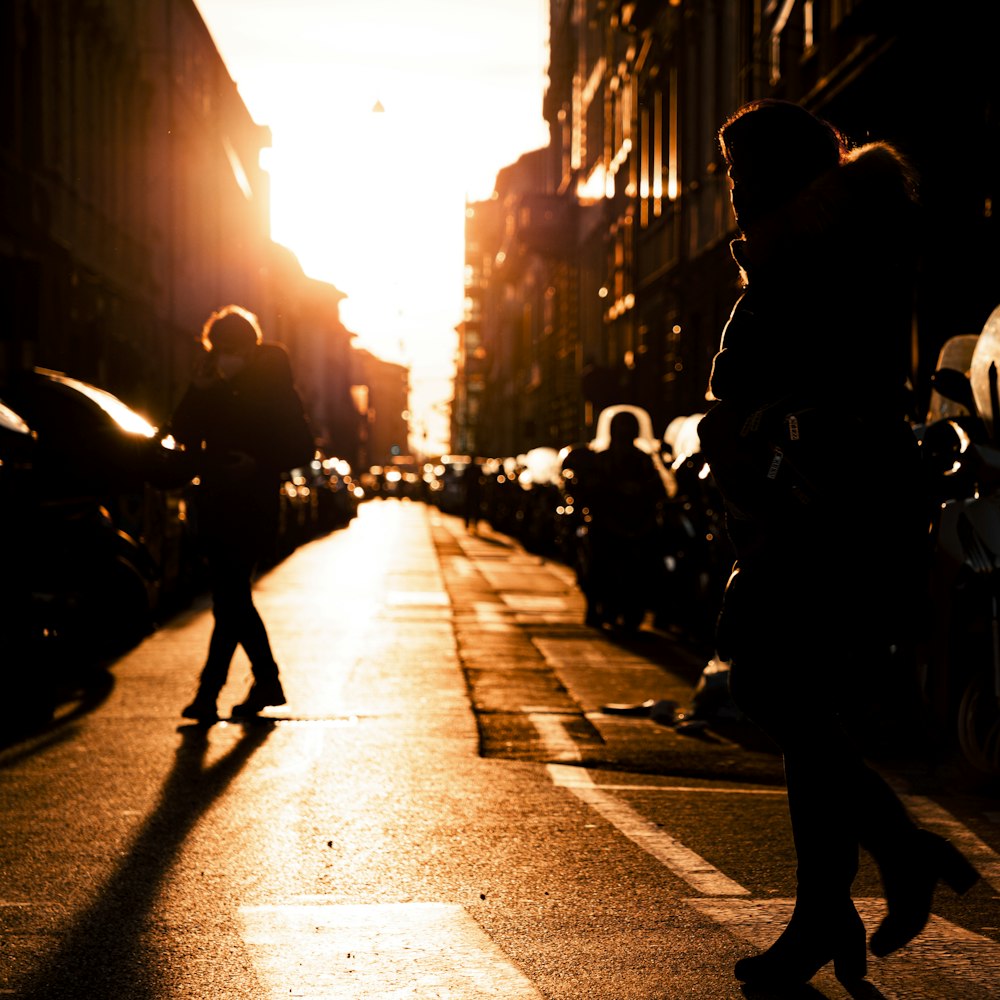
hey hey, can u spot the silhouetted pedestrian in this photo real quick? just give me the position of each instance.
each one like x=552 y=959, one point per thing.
x=243 y=421
x=472 y=496
x=811 y=448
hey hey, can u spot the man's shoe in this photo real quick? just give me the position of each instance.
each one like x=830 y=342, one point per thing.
x=262 y=695
x=202 y=710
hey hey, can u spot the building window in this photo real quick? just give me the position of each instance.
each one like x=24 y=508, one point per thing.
x=673 y=152
x=777 y=30
x=657 y=153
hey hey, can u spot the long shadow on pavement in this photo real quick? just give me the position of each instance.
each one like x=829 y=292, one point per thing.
x=861 y=990
x=102 y=955
x=44 y=707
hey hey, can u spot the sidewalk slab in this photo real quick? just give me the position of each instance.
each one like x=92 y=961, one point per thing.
x=540 y=679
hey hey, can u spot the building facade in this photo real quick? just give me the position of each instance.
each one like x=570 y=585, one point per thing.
x=133 y=204
x=518 y=356
x=306 y=320
x=382 y=392
x=642 y=281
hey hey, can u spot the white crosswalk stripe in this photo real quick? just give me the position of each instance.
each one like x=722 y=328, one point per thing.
x=682 y=861
x=963 y=963
x=329 y=951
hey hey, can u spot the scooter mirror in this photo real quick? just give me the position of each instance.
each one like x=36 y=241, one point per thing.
x=943 y=444
x=954 y=385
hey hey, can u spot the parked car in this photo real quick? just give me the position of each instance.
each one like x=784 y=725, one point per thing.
x=338 y=490
x=102 y=512
x=317 y=498
x=298 y=512
x=25 y=677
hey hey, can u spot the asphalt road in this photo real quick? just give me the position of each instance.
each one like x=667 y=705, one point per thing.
x=443 y=809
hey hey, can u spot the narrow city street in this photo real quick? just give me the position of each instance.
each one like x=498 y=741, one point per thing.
x=441 y=810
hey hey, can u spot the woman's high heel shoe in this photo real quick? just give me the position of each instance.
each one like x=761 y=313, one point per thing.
x=909 y=882
x=805 y=946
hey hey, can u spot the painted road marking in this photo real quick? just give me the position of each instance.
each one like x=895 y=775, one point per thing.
x=489 y=611
x=534 y=602
x=461 y=566
x=961 y=958
x=329 y=951
x=682 y=861
x=559 y=743
x=419 y=598
x=924 y=810
x=691 y=788
x=943 y=949
x=928 y=813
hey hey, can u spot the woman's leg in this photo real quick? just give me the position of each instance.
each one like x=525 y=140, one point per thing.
x=820 y=772
x=822 y=769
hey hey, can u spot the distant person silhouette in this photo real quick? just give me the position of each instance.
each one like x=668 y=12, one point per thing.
x=472 y=496
x=810 y=445
x=624 y=495
x=243 y=421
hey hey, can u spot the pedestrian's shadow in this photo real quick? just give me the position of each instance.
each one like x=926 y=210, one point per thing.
x=103 y=955
x=50 y=698
x=659 y=648
x=860 y=990
x=488 y=539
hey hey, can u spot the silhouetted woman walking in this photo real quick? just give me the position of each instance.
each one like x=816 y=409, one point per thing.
x=809 y=427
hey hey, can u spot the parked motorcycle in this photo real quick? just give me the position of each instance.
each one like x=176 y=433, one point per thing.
x=620 y=489
x=698 y=556
x=960 y=662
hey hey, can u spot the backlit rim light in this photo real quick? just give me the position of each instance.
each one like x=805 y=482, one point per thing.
x=126 y=418
x=10 y=420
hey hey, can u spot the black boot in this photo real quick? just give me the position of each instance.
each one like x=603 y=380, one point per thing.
x=262 y=695
x=909 y=878
x=814 y=936
x=202 y=709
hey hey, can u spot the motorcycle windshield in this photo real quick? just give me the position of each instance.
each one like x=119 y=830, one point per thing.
x=957 y=354
x=602 y=436
x=983 y=373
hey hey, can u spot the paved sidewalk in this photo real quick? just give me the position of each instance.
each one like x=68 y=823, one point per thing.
x=540 y=679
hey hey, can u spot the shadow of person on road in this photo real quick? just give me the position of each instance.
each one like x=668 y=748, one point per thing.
x=495 y=540
x=104 y=953
x=860 y=990
x=51 y=700
x=682 y=659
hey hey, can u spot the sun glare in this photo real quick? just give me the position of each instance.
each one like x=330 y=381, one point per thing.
x=371 y=200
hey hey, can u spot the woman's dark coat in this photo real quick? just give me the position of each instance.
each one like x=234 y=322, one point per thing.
x=809 y=439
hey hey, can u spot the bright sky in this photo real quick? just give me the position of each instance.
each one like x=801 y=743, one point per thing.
x=375 y=202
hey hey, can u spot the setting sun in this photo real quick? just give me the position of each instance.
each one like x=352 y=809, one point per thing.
x=385 y=119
